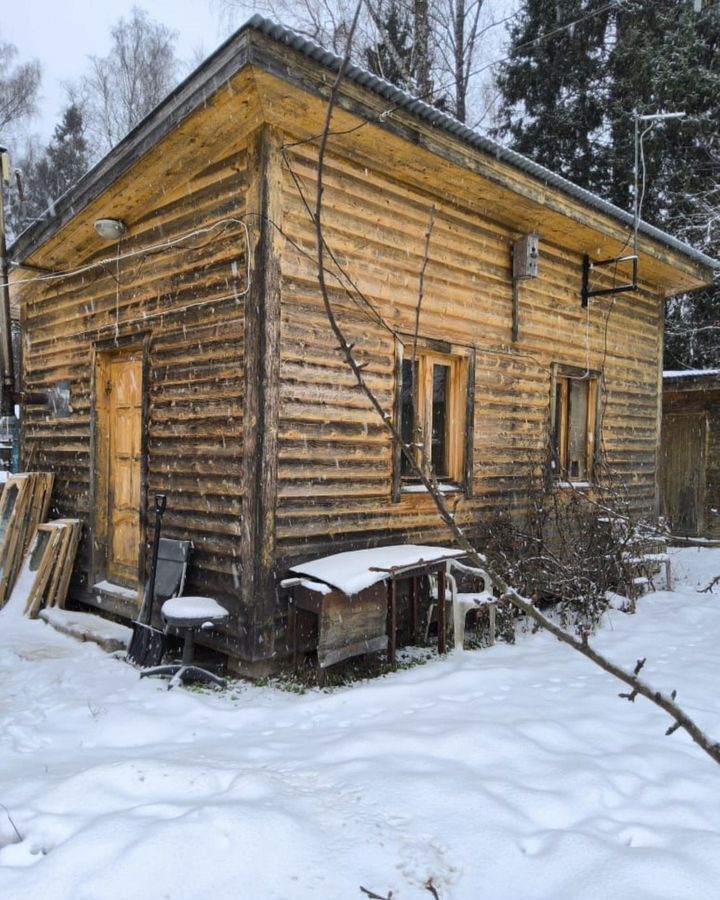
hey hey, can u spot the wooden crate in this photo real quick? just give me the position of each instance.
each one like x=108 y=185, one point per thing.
x=346 y=625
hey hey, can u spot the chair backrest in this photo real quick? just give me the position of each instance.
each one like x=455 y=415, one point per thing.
x=470 y=576
x=172 y=563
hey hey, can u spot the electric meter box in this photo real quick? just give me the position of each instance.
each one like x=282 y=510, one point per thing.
x=526 y=254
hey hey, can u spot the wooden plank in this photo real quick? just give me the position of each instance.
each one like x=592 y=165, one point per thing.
x=29 y=496
x=684 y=472
x=13 y=509
x=42 y=561
x=62 y=572
x=35 y=571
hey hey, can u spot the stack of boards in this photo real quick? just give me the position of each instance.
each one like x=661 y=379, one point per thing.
x=36 y=558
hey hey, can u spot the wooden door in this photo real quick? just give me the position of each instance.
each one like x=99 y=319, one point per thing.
x=683 y=472
x=123 y=440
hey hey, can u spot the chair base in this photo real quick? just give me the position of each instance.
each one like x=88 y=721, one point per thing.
x=186 y=615
x=181 y=673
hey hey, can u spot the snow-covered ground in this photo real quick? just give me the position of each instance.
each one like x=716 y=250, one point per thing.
x=513 y=772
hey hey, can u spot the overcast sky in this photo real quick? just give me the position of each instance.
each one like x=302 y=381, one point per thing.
x=63 y=33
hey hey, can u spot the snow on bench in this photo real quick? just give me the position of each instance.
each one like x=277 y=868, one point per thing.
x=356 y=570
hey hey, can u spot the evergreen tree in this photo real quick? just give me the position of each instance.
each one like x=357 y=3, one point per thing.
x=569 y=98
x=402 y=52
x=667 y=58
x=48 y=175
x=554 y=85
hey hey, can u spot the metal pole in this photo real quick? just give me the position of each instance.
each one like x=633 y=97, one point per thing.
x=636 y=199
x=8 y=431
x=7 y=401
x=637 y=119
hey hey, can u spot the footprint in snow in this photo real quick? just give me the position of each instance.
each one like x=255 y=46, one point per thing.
x=425 y=860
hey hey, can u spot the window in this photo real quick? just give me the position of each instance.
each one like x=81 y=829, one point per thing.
x=433 y=411
x=575 y=398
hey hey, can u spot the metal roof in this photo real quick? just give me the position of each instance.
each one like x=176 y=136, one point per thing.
x=402 y=100
x=206 y=79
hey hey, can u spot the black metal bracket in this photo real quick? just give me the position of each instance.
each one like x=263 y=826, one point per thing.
x=606 y=263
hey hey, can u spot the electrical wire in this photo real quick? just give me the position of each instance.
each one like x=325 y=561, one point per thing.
x=117 y=292
x=370 y=309
x=613 y=4
x=145 y=253
x=447 y=85
x=131 y=254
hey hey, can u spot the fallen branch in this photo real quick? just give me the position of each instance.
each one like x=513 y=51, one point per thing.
x=373 y=896
x=429 y=886
x=709 y=588
x=10 y=820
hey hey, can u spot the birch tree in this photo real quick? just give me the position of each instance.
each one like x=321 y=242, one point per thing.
x=123 y=87
x=431 y=49
x=19 y=85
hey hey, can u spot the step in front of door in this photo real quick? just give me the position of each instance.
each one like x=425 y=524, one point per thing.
x=116 y=598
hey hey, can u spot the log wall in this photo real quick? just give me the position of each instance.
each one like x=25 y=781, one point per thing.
x=311 y=470
x=335 y=459
x=254 y=427
x=184 y=301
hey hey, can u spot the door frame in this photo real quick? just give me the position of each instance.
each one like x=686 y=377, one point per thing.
x=102 y=352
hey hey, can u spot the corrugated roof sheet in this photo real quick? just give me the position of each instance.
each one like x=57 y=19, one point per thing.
x=402 y=100
x=223 y=58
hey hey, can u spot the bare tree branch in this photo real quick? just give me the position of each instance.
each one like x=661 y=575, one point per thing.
x=427 y=477
x=10 y=819
x=430 y=887
x=19 y=86
x=130 y=81
x=373 y=896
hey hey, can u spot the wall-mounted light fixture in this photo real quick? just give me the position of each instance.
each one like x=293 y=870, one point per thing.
x=110 y=229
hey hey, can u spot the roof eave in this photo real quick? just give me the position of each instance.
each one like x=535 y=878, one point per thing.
x=187 y=97
x=225 y=63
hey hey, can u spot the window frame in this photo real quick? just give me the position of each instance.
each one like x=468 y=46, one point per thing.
x=460 y=421
x=563 y=375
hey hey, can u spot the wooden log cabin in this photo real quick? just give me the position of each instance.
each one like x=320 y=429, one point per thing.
x=200 y=362
x=690 y=457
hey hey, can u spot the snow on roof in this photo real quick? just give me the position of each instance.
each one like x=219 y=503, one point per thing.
x=353 y=571
x=690 y=373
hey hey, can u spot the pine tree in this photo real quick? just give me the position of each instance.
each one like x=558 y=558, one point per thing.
x=66 y=157
x=668 y=60
x=390 y=56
